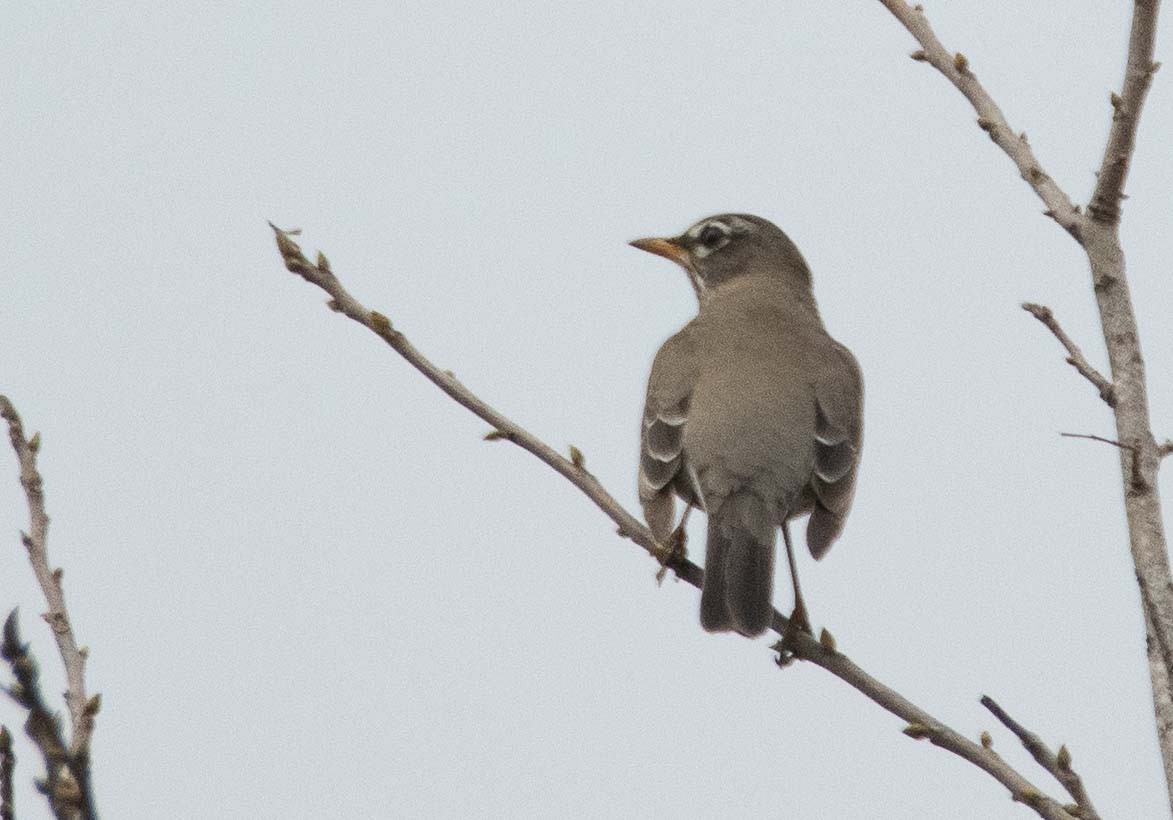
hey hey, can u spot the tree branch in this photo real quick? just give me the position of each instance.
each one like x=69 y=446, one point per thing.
x=81 y=710
x=1099 y=235
x=67 y=777
x=1075 y=356
x=956 y=69
x=920 y=724
x=1059 y=765
x=7 y=770
x=1126 y=108
x=1100 y=439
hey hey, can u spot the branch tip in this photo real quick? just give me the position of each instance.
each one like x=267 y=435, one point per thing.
x=1063 y=759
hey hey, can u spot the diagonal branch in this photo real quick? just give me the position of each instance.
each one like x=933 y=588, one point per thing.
x=1059 y=765
x=1126 y=108
x=1075 y=356
x=920 y=724
x=956 y=69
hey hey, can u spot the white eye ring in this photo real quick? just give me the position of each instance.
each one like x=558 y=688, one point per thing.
x=710 y=236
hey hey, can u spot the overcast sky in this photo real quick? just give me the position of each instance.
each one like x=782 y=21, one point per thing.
x=311 y=590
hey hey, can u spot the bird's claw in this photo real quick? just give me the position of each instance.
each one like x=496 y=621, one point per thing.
x=798 y=623
x=675 y=553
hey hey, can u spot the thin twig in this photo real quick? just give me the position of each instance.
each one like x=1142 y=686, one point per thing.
x=1126 y=108
x=957 y=69
x=1059 y=765
x=7 y=770
x=66 y=779
x=1090 y=437
x=1075 y=356
x=81 y=709
x=798 y=644
x=1165 y=449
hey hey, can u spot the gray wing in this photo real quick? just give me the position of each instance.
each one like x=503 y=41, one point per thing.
x=661 y=446
x=838 y=442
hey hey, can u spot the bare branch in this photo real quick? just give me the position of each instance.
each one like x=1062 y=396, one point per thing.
x=81 y=711
x=1075 y=356
x=1126 y=108
x=1127 y=393
x=67 y=776
x=798 y=644
x=1059 y=765
x=7 y=770
x=1166 y=448
x=1090 y=437
x=957 y=70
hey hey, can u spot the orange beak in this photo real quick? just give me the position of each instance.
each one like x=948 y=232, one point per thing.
x=667 y=248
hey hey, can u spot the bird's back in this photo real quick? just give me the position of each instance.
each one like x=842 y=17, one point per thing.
x=753 y=412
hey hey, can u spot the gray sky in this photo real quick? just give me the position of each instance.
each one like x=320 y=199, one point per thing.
x=311 y=590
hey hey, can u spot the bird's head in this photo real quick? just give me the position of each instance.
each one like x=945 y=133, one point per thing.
x=722 y=248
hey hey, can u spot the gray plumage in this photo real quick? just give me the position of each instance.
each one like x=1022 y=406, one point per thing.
x=753 y=414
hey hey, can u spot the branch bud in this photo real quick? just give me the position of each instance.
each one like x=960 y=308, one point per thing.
x=380 y=323
x=916 y=731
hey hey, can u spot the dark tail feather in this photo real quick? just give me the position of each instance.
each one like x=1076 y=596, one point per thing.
x=739 y=568
x=714 y=611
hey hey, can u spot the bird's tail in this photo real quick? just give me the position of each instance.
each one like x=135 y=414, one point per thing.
x=739 y=567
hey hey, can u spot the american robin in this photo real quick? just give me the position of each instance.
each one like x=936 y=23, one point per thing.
x=754 y=414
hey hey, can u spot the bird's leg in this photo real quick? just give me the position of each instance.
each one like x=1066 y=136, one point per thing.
x=799 y=620
x=676 y=545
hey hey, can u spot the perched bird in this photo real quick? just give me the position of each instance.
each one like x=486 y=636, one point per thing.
x=754 y=414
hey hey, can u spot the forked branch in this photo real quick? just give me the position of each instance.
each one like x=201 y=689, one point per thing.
x=1058 y=764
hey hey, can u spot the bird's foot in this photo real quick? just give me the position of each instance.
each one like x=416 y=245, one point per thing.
x=799 y=620
x=798 y=623
x=675 y=553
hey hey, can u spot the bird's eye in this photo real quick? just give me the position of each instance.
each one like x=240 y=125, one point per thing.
x=711 y=236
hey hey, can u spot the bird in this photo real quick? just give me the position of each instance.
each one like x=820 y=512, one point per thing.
x=754 y=415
